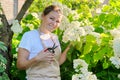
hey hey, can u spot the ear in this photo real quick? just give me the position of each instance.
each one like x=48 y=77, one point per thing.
x=42 y=16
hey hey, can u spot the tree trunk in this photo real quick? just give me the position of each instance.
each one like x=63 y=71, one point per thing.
x=6 y=34
x=6 y=37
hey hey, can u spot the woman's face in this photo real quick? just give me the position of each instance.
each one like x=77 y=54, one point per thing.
x=51 y=21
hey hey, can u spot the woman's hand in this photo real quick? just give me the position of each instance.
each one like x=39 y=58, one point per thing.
x=64 y=53
x=45 y=55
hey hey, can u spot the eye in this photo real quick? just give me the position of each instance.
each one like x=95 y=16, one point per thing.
x=51 y=18
x=58 y=21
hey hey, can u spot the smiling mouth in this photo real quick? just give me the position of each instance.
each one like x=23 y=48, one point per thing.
x=50 y=24
x=51 y=27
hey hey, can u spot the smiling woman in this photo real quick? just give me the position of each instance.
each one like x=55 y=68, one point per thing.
x=50 y=19
x=34 y=52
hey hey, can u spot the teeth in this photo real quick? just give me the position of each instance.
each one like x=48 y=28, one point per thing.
x=50 y=24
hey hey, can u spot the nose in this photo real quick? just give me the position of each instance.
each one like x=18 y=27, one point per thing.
x=54 y=23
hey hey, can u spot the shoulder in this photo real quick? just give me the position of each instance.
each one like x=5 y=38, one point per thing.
x=30 y=34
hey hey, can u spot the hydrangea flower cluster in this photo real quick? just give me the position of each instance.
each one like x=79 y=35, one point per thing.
x=81 y=67
x=16 y=28
x=116 y=45
x=119 y=76
x=0 y=21
x=74 y=30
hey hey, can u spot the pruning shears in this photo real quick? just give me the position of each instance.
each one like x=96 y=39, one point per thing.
x=51 y=49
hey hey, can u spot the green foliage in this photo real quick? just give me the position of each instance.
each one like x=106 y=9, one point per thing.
x=3 y=62
x=2 y=46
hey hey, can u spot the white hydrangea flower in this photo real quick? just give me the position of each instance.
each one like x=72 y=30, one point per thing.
x=116 y=46
x=65 y=38
x=87 y=76
x=97 y=36
x=116 y=61
x=64 y=23
x=98 y=10
x=16 y=28
x=75 y=77
x=29 y=25
x=84 y=70
x=119 y=76
x=40 y=15
x=35 y=15
x=0 y=21
x=77 y=62
x=74 y=24
x=75 y=15
x=90 y=76
x=59 y=5
x=81 y=31
x=73 y=33
x=101 y=1
x=88 y=29
x=84 y=73
x=69 y=35
x=66 y=10
x=115 y=33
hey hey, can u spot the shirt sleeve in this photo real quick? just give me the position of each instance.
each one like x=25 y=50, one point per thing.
x=25 y=42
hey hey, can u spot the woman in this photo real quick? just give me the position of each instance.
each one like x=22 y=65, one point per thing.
x=39 y=51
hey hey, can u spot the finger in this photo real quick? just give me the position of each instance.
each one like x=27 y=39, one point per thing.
x=45 y=49
x=50 y=57
x=49 y=62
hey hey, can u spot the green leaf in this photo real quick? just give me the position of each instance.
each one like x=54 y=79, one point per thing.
x=110 y=17
x=2 y=59
x=2 y=69
x=106 y=8
x=2 y=46
x=116 y=21
x=90 y=39
x=87 y=58
x=105 y=65
x=87 y=48
x=79 y=46
x=102 y=17
x=69 y=57
x=95 y=48
x=100 y=55
x=99 y=29
x=29 y=17
x=5 y=77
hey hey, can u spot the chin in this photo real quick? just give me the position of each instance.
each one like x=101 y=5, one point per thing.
x=50 y=30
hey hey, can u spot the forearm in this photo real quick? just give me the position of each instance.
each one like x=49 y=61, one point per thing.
x=25 y=64
x=63 y=56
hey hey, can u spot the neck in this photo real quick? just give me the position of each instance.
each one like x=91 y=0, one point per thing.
x=43 y=30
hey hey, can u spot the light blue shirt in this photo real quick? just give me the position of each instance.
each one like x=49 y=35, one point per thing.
x=31 y=41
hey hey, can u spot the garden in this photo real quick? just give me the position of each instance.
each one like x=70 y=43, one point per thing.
x=92 y=27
